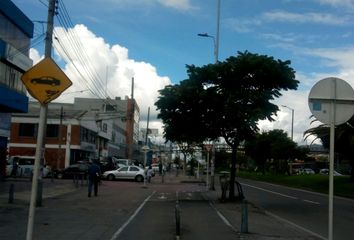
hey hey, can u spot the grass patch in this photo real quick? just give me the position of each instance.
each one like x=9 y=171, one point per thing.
x=318 y=183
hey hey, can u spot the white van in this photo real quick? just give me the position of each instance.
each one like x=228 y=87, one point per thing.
x=24 y=165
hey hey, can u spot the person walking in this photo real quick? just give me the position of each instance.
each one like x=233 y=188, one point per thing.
x=94 y=173
x=149 y=173
x=14 y=167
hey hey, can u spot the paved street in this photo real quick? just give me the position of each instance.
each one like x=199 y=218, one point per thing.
x=306 y=209
x=127 y=210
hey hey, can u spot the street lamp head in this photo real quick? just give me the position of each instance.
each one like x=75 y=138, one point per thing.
x=288 y=107
x=203 y=35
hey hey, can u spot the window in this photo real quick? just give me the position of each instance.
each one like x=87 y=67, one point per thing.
x=27 y=130
x=134 y=169
x=123 y=169
x=52 y=131
x=110 y=108
x=87 y=135
x=105 y=127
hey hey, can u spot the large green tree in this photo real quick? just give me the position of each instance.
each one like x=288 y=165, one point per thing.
x=228 y=99
x=274 y=145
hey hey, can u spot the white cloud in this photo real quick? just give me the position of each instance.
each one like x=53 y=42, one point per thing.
x=35 y=56
x=312 y=17
x=112 y=70
x=177 y=4
x=337 y=3
x=340 y=58
x=182 y=5
x=297 y=100
x=279 y=16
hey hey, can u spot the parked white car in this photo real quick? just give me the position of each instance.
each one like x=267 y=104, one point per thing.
x=325 y=171
x=24 y=165
x=128 y=172
x=306 y=171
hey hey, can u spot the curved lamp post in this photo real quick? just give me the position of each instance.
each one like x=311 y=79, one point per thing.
x=292 y=121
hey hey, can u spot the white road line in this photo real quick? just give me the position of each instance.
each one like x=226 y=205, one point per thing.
x=276 y=193
x=223 y=218
x=309 y=201
x=295 y=225
x=280 y=194
x=120 y=230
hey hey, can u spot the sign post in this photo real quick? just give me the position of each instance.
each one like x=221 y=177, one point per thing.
x=45 y=82
x=331 y=101
x=207 y=148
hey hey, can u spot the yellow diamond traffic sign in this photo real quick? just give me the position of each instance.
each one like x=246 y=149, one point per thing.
x=45 y=81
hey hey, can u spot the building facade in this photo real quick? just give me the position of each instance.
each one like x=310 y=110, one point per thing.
x=87 y=129
x=16 y=31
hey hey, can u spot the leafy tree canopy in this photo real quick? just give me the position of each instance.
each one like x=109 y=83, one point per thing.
x=273 y=144
x=226 y=99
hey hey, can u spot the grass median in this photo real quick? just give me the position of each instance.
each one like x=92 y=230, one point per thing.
x=318 y=183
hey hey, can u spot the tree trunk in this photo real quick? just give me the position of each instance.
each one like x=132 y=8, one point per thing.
x=233 y=173
x=352 y=170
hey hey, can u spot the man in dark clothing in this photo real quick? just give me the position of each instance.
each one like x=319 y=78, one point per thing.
x=94 y=173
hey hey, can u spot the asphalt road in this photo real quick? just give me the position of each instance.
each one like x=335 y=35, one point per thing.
x=306 y=209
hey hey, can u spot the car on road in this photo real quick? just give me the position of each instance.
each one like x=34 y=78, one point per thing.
x=128 y=172
x=77 y=169
x=325 y=171
x=24 y=167
x=306 y=171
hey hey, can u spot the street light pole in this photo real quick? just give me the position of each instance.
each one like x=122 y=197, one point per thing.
x=216 y=55
x=292 y=121
x=216 y=42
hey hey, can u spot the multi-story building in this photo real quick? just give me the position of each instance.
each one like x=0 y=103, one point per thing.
x=86 y=129
x=16 y=31
x=124 y=116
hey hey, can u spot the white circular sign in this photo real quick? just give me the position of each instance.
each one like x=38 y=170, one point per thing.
x=330 y=91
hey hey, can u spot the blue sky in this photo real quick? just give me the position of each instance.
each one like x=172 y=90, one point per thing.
x=153 y=40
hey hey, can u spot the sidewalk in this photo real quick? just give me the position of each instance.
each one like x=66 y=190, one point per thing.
x=22 y=189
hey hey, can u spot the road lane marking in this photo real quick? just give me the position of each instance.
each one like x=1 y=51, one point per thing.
x=223 y=218
x=162 y=196
x=309 y=201
x=295 y=225
x=280 y=194
x=120 y=230
x=265 y=190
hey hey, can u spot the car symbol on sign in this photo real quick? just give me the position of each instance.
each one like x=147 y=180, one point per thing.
x=46 y=80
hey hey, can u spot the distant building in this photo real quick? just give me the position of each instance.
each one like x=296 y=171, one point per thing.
x=16 y=32
x=88 y=128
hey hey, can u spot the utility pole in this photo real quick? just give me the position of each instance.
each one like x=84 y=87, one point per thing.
x=131 y=122
x=216 y=52
x=147 y=126
x=41 y=127
x=60 y=137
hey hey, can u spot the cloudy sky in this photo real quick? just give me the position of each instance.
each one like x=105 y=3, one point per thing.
x=103 y=44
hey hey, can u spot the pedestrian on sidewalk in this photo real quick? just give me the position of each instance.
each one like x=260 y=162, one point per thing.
x=150 y=172
x=14 y=167
x=94 y=175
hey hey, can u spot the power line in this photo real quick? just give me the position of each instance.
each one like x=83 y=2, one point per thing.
x=91 y=76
